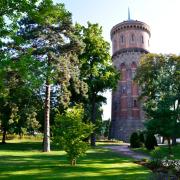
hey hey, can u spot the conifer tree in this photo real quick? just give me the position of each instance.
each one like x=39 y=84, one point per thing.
x=50 y=37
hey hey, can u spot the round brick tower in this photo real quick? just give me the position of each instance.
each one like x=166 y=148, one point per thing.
x=130 y=39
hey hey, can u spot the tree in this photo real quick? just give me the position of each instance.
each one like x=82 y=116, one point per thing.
x=158 y=76
x=104 y=128
x=96 y=69
x=135 y=140
x=15 y=87
x=150 y=141
x=50 y=36
x=17 y=92
x=69 y=131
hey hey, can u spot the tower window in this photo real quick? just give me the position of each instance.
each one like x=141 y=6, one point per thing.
x=123 y=90
x=135 y=103
x=132 y=37
x=142 y=39
x=122 y=39
x=133 y=74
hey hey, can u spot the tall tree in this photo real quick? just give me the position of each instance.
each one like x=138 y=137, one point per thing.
x=50 y=36
x=96 y=70
x=15 y=67
x=17 y=91
x=158 y=76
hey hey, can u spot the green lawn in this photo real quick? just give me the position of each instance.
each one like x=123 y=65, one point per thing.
x=25 y=161
x=162 y=151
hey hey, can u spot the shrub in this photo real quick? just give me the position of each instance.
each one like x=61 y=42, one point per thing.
x=156 y=159
x=134 y=140
x=150 y=141
x=69 y=132
x=141 y=137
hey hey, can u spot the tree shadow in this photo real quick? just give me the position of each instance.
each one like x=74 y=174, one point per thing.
x=26 y=161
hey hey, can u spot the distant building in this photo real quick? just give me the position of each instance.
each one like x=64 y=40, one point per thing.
x=130 y=39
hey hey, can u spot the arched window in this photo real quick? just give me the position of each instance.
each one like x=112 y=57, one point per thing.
x=122 y=40
x=142 y=39
x=123 y=90
x=135 y=103
x=133 y=65
x=132 y=38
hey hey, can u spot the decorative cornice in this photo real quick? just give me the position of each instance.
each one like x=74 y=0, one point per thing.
x=125 y=50
x=126 y=25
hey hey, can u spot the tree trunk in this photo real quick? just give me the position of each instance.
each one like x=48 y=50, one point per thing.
x=93 y=119
x=4 y=136
x=163 y=140
x=174 y=141
x=46 y=140
x=169 y=146
x=73 y=162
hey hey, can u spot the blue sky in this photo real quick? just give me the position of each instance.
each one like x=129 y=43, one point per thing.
x=163 y=16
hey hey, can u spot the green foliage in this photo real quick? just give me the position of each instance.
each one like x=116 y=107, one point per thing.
x=49 y=36
x=141 y=137
x=134 y=140
x=150 y=141
x=19 y=85
x=19 y=73
x=96 y=69
x=158 y=76
x=32 y=123
x=156 y=158
x=69 y=131
x=106 y=126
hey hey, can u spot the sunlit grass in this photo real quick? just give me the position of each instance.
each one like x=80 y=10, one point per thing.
x=22 y=160
x=162 y=150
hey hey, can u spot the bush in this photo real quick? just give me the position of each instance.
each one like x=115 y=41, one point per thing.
x=156 y=159
x=141 y=137
x=150 y=141
x=134 y=140
x=69 y=132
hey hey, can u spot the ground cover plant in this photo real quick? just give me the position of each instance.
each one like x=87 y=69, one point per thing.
x=162 y=150
x=25 y=160
x=163 y=164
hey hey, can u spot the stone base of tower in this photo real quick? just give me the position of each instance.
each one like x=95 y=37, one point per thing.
x=122 y=129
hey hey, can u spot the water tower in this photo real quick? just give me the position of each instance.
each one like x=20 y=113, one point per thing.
x=130 y=39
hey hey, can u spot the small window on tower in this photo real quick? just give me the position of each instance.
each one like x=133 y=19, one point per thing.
x=135 y=103
x=123 y=90
x=142 y=39
x=132 y=37
x=122 y=39
x=133 y=74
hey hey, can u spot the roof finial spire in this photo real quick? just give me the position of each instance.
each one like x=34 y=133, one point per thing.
x=129 y=15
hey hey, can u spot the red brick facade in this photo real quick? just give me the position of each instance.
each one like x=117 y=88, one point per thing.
x=130 y=39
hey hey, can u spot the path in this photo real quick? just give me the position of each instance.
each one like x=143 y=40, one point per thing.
x=125 y=150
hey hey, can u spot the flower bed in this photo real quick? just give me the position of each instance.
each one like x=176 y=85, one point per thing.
x=163 y=169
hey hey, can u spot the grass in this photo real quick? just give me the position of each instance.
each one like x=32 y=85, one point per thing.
x=23 y=160
x=162 y=151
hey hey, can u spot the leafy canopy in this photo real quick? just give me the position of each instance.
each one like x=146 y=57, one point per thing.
x=69 y=131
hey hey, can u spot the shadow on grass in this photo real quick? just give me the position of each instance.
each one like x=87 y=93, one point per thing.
x=26 y=161
x=25 y=146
